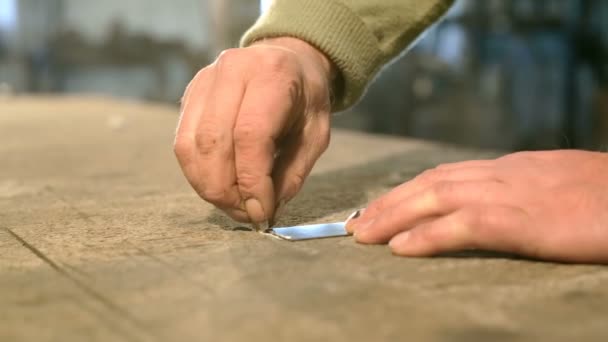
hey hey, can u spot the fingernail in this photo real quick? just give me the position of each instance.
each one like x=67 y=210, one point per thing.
x=355 y=215
x=351 y=218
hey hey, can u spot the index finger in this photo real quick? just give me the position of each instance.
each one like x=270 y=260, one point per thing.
x=263 y=118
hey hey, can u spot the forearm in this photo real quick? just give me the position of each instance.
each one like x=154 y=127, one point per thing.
x=358 y=36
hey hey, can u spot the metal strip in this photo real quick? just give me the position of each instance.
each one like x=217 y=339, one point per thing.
x=309 y=232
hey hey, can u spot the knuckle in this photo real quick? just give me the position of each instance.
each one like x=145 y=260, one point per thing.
x=247 y=180
x=207 y=140
x=213 y=195
x=428 y=235
x=232 y=61
x=324 y=138
x=246 y=132
x=227 y=57
x=325 y=141
x=285 y=85
x=277 y=61
x=202 y=73
x=292 y=90
x=294 y=184
x=443 y=191
x=182 y=147
x=297 y=181
x=479 y=223
x=432 y=235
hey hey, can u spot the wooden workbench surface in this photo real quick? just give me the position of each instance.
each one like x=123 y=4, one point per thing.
x=101 y=239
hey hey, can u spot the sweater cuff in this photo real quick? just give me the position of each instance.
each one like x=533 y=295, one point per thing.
x=336 y=31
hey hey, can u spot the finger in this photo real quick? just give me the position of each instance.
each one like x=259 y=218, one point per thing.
x=496 y=228
x=422 y=181
x=263 y=117
x=214 y=137
x=467 y=164
x=238 y=215
x=440 y=199
x=298 y=157
x=185 y=144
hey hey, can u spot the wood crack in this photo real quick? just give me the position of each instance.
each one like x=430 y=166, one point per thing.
x=84 y=216
x=172 y=269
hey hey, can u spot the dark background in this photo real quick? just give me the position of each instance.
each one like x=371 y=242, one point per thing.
x=509 y=74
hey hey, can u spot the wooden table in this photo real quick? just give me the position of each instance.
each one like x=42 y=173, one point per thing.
x=101 y=239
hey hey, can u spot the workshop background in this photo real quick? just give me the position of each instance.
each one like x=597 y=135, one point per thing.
x=507 y=74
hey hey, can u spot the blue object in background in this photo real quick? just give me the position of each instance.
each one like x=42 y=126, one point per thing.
x=8 y=15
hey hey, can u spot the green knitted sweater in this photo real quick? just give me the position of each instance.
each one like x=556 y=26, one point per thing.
x=359 y=36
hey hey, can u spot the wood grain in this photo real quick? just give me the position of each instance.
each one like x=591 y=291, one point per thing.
x=102 y=239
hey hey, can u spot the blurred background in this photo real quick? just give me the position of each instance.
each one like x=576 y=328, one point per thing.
x=508 y=74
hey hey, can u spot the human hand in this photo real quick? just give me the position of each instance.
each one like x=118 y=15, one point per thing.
x=545 y=205
x=252 y=126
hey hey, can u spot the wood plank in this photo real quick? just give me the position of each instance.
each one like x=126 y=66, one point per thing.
x=101 y=238
x=41 y=301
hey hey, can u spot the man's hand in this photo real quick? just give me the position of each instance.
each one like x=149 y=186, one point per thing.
x=253 y=124
x=546 y=205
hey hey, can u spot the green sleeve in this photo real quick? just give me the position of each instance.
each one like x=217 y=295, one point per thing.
x=359 y=36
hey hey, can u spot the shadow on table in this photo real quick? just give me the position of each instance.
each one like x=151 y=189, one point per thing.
x=348 y=189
